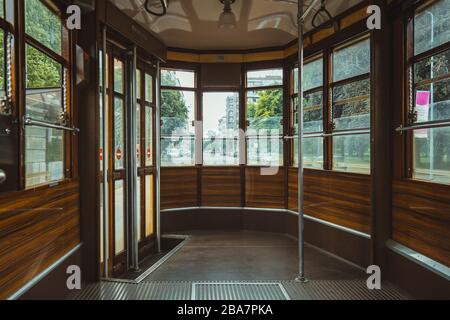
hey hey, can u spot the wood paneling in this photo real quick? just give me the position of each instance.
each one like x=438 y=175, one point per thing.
x=221 y=187
x=36 y=229
x=264 y=191
x=340 y=198
x=179 y=188
x=421 y=218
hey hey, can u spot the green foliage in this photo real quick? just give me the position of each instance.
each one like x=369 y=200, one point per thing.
x=174 y=110
x=42 y=72
x=267 y=111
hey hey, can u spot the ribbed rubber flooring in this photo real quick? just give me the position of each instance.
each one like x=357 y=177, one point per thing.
x=268 y=290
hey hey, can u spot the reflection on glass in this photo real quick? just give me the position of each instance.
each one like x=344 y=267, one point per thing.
x=265 y=78
x=312 y=75
x=265 y=151
x=351 y=105
x=352 y=153
x=178 y=151
x=44 y=156
x=43 y=25
x=119 y=147
x=432 y=27
x=118 y=76
x=432 y=155
x=44 y=104
x=432 y=67
x=148 y=137
x=148 y=88
x=149 y=224
x=221 y=128
x=138 y=84
x=312 y=153
x=351 y=61
x=119 y=214
x=177 y=78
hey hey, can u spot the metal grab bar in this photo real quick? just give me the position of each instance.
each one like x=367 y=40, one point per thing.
x=402 y=129
x=334 y=134
x=30 y=122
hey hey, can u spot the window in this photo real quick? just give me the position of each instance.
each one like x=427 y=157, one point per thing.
x=264 y=117
x=178 y=118
x=313 y=113
x=351 y=107
x=221 y=128
x=47 y=77
x=429 y=99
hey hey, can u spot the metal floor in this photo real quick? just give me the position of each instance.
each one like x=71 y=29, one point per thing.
x=267 y=290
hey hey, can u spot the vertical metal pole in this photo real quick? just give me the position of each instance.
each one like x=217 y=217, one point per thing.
x=133 y=163
x=105 y=161
x=158 y=156
x=301 y=240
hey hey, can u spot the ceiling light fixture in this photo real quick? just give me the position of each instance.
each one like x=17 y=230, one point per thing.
x=156 y=7
x=227 y=19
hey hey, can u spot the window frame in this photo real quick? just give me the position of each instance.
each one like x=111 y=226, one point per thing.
x=197 y=112
x=409 y=114
x=65 y=60
x=244 y=108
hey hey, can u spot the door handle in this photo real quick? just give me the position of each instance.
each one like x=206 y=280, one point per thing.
x=2 y=176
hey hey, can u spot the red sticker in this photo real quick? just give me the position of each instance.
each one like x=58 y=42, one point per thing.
x=101 y=154
x=149 y=153
x=119 y=154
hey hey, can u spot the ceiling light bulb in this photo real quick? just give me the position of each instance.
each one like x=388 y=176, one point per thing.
x=227 y=19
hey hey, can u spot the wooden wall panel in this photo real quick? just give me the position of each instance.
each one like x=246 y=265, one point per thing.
x=264 y=191
x=221 y=187
x=340 y=198
x=179 y=188
x=421 y=218
x=36 y=229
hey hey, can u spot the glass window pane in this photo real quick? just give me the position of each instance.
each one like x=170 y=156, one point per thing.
x=265 y=111
x=432 y=155
x=138 y=206
x=177 y=112
x=351 y=61
x=312 y=153
x=138 y=84
x=432 y=27
x=118 y=76
x=352 y=153
x=44 y=156
x=148 y=136
x=177 y=78
x=119 y=127
x=351 y=105
x=265 y=151
x=220 y=128
x=43 y=25
x=148 y=88
x=265 y=78
x=312 y=75
x=313 y=112
x=149 y=223
x=178 y=151
x=138 y=135
x=119 y=214
x=431 y=68
x=2 y=8
x=41 y=70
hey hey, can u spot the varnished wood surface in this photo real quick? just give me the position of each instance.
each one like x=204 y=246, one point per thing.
x=421 y=218
x=264 y=191
x=179 y=188
x=221 y=187
x=36 y=229
x=340 y=198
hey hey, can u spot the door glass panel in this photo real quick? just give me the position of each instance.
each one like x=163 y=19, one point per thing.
x=118 y=76
x=148 y=88
x=119 y=214
x=138 y=84
x=138 y=135
x=119 y=145
x=138 y=206
x=148 y=137
x=149 y=223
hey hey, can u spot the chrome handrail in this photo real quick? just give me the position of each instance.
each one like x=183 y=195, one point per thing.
x=31 y=122
x=402 y=129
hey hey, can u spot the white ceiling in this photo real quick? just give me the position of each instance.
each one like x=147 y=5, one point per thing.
x=192 y=24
